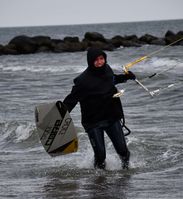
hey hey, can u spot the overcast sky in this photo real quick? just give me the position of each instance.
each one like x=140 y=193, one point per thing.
x=61 y=12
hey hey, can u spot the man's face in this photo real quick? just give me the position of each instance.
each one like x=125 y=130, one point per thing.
x=99 y=62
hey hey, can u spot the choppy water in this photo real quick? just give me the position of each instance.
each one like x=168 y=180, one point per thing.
x=156 y=169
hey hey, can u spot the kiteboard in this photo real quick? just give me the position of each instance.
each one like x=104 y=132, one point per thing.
x=56 y=129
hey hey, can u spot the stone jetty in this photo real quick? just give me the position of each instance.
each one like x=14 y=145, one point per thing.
x=24 y=44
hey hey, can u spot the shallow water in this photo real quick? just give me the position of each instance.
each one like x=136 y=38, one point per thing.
x=156 y=166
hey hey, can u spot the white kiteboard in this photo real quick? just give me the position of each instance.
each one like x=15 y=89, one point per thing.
x=56 y=129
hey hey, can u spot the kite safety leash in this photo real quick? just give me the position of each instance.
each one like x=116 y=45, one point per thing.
x=124 y=125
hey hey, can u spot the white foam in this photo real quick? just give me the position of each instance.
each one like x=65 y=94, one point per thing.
x=1 y=66
x=154 y=63
x=158 y=62
x=43 y=68
x=23 y=132
x=113 y=162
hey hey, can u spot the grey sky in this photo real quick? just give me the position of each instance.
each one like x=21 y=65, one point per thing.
x=61 y=12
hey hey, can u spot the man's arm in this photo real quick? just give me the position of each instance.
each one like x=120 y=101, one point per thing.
x=122 y=78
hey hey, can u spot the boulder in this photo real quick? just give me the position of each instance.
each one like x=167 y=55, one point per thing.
x=101 y=45
x=1 y=49
x=58 y=47
x=169 y=33
x=133 y=38
x=42 y=49
x=69 y=44
x=147 y=38
x=42 y=41
x=71 y=39
x=24 y=44
x=70 y=47
x=171 y=37
x=57 y=41
x=73 y=47
x=94 y=36
x=10 y=49
x=116 y=41
x=180 y=33
x=159 y=41
x=129 y=43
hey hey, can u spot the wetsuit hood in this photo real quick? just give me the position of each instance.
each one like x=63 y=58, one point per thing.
x=92 y=54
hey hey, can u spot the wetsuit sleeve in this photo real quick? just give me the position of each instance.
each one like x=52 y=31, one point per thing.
x=119 y=79
x=72 y=99
x=122 y=78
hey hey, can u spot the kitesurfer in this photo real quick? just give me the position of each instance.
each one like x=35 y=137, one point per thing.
x=100 y=111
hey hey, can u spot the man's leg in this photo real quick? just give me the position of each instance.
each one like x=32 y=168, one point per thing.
x=115 y=133
x=96 y=136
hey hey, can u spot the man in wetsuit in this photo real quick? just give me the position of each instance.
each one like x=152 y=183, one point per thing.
x=100 y=111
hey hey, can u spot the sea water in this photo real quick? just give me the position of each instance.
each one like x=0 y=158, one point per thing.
x=156 y=164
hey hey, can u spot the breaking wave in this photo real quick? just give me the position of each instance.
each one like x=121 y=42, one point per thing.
x=67 y=69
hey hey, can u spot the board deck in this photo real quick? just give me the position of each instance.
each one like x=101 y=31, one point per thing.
x=55 y=128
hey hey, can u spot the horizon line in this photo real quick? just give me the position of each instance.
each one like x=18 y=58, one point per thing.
x=84 y=24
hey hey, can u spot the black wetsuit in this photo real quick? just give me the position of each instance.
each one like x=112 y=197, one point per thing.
x=94 y=90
